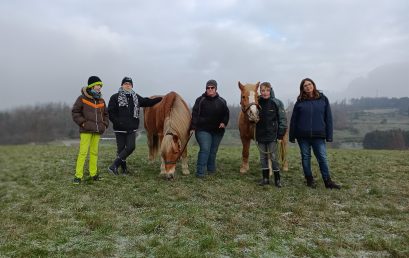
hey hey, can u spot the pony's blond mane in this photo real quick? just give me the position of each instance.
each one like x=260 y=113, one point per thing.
x=177 y=123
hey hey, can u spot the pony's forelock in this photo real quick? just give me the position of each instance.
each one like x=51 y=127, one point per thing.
x=177 y=123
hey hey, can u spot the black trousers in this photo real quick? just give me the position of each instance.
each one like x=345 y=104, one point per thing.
x=125 y=143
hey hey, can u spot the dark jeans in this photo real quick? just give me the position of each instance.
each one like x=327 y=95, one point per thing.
x=319 y=148
x=209 y=144
x=125 y=143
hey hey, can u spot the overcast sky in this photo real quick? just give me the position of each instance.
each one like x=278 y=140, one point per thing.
x=50 y=48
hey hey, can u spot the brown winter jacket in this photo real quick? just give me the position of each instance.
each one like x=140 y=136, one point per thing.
x=90 y=114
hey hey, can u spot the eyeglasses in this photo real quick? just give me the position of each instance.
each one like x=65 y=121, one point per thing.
x=210 y=88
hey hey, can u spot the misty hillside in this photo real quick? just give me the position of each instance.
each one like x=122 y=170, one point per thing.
x=384 y=81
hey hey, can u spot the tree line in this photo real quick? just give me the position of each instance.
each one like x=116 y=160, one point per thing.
x=401 y=104
x=395 y=139
x=52 y=121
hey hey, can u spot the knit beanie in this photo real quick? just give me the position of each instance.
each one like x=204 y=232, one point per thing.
x=211 y=82
x=127 y=79
x=94 y=80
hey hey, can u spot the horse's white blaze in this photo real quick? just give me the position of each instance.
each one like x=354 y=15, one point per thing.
x=252 y=99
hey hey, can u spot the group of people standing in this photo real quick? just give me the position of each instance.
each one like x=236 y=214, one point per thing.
x=311 y=125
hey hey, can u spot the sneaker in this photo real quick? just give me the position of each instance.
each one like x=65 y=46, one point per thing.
x=76 y=181
x=113 y=170
x=97 y=178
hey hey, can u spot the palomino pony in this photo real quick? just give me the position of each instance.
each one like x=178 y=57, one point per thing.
x=247 y=125
x=167 y=127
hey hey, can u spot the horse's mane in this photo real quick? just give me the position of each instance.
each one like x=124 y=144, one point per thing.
x=176 y=121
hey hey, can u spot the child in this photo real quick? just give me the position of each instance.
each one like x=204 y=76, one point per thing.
x=270 y=128
x=90 y=114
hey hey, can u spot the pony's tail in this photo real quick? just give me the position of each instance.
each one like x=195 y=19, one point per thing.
x=282 y=154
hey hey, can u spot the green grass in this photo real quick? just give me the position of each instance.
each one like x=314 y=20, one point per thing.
x=226 y=215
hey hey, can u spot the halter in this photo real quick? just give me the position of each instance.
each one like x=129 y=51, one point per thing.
x=167 y=162
x=246 y=108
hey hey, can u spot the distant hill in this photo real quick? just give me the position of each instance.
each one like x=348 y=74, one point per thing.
x=390 y=80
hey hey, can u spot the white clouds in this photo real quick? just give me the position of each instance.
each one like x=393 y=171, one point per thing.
x=178 y=45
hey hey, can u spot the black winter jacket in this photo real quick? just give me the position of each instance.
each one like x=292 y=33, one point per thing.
x=267 y=126
x=208 y=112
x=122 y=118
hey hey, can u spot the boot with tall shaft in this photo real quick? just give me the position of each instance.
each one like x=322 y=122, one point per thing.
x=277 y=179
x=266 y=177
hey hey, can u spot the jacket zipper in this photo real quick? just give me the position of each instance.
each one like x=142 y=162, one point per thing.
x=96 y=115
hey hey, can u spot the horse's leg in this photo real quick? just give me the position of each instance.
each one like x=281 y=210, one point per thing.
x=185 y=167
x=149 y=136
x=245 y=155
x=162 y=166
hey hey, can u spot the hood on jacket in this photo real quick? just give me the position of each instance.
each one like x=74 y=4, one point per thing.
x=85 y=93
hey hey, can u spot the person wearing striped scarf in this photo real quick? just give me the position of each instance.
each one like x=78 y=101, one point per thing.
x=123 y=108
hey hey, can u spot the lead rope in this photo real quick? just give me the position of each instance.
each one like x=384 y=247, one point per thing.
x=268 y=152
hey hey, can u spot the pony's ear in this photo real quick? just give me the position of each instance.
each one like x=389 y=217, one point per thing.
x=257 y=85
x=241 y=86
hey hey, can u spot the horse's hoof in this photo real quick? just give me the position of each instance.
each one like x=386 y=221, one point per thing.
x=187 y=172
x=243 y=171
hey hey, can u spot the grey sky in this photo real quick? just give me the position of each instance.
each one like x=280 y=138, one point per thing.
x=50 y=48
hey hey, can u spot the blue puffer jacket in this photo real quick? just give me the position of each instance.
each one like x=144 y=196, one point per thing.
x=311 y=119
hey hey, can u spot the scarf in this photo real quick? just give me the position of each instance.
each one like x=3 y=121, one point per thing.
x=123 y=100
x=95 y=94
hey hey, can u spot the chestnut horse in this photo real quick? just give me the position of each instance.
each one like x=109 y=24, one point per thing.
x=248 y=117
x=167 y=127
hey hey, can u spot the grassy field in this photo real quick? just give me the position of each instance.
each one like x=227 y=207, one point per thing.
x=226 y=215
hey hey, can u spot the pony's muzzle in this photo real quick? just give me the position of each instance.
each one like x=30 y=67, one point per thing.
x=253 y=116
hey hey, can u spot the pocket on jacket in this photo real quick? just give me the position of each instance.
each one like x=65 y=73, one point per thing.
x=101 y=128
x=89 y=126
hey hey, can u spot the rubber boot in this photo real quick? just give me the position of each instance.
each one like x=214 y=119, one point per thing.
x=266 y=177
x=277 y=178
x=114 y=167
x=329 y=184
x=311 y=182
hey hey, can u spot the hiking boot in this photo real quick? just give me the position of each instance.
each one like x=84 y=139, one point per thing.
x=277 y=179
x=311 y=182
x=76 y=181
x=266 y=177
x=329 y=184
x=97 y=178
